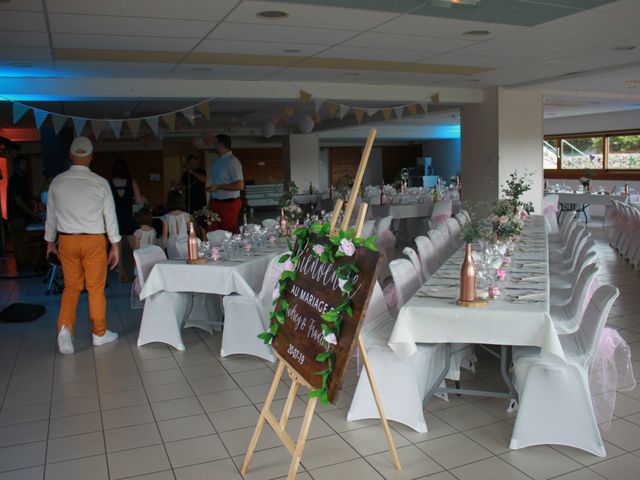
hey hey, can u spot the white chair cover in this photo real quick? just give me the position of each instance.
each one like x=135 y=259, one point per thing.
x=413 y=258
x=427 y=254
x=368 y=229
x=405 y=279
x=164 y=312
x=441 y=211
x=555 y=403
x=566 y=318
x=550 y=211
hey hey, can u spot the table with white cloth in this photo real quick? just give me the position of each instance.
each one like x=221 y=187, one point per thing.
x=580 y=202
x=432 y=316
x=408 y=220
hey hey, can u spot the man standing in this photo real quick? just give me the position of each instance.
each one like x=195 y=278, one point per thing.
x=226 y=182
x=193 y=182
x=19 y=212
x=80 y=210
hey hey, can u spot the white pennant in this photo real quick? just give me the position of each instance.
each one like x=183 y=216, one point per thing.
x=40 y=116
x=153 y=124
x=371 y=111
x=116 y=126
x=425 y=107
x=18 y=111
x=58 y=122
x=317 y=103
x=343 y=109
x=78 y=125
x=188 y=114
x=398 y=111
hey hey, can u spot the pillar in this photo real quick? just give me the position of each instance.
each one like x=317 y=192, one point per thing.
x=302 y=160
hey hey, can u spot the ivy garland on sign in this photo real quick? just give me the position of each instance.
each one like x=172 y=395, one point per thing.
x=344 y=244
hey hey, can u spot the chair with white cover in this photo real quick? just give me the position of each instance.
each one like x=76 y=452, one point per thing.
x=440 y=244
x=550 y=210
x=368 y=229
x=461 y=219
x=246 y=317
x=466 y=215
x=441 y=211
x=455 y=234
x=402 y=384
x=566 y=318
x=217 y=236
x=555 y=405
x=270 y=223
x=428 y=255
x=567 y=280
x=386 y=243
x=164 y=312
x=562 y=296
x=559 y=267
x=405 y=279
x=568 y=223
x=415 y=261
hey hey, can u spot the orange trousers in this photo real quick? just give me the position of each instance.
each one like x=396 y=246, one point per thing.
x=84 y=264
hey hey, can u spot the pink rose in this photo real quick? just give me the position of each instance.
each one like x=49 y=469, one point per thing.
x=506 y=261
x=341 y=283
x=331 y=339
x=347 y=247
x=501 y=273
x=524 y=214
x=289 y=266
x=494 y=292
x=318 y=249
x=276 y=294
x=504 y=219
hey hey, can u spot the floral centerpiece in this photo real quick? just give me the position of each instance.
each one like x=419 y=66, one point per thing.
x=292 y=212
x=585 y=180
x=506 y=221
x=205 y=217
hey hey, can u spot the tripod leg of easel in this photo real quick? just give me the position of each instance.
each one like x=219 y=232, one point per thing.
x=376 y=397
x=302 y=438
x=288 y=404
x=265 y=409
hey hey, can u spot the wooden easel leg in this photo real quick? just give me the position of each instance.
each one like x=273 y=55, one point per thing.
x=376 y=397
x=288 y=404
x=302 y=438
x=265 y=408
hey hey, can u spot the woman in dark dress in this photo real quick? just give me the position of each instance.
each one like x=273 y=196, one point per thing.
x=126 y=192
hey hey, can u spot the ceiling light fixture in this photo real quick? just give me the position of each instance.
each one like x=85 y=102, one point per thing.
x=200 y=69
x=456 y=3
x=272 y=15
x=21 y=64
x=476 y=33
x=623 y=48
x=291 y=50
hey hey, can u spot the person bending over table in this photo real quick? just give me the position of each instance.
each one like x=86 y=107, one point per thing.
x=80 y=210
x=225 y=183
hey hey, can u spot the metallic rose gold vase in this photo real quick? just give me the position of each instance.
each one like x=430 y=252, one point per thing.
x=192 y=243
x=468 y=277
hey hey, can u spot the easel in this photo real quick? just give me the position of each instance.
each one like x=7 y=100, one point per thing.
x=296 y=449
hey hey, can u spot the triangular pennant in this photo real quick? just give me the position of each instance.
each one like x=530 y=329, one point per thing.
x=343 y=111
x=153 y=124
x=78 y=125
x=317 y=104
x=316 y=120
x=359 y=113
x=170 y=120
x=386 y=114
x=372 y=111
x=18 y=111
x=305 y=97
x=40 y=116
x=287 y=111
x=116 y=127
x=413 y=109
x=203 y=108
x=435 y=99
x=97 y=126
x=188 y=114
x=134 y=126
x=332 y=110
x=425 y=107
x=398 y=111
x=58 y=122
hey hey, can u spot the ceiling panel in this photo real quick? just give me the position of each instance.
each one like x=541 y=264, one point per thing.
x=221 y=72
x=258 y=48
x=25 y=53
x=625 y=7
x=23 y=39
x=112 y=69
x=182 y=9
x=317 y=75
x=406 y=42
x=402 y=78
x=523 y=53
x=309 y=16
x=279 y=33
x=39 y=68
x=373 y=54
x=121 y=42
x=606 y=25
x=95 y=24
x=543 y=37
x=454 y=58
x=24 y=5
x=22 y=21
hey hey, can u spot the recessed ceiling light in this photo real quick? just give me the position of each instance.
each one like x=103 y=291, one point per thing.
x=472 y=80
x=200 y=69
x=21 y=64
x=291 y=50
x=623 y=48
x=476 y=33
x=272 y=15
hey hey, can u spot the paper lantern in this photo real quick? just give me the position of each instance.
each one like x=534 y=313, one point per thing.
x=268 y=129
x=305 y=124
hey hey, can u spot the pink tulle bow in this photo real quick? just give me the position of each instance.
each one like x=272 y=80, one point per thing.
x=135 y=294
x=441 y=217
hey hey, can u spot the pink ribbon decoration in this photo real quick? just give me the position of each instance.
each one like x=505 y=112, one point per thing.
x=550 y=209
x=610 y=372
x=440 y=218
x=391 y=297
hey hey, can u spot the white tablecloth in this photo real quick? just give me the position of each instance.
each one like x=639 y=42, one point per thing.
x=425 y=319
x=244 y=275
x=399 y=212
x=590 y=198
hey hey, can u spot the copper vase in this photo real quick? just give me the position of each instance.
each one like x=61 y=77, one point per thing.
x=468 y=277
x=192 y=243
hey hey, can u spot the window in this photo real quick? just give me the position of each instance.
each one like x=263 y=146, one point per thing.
x=551 y=153
x=581 y=153
x=624 y=152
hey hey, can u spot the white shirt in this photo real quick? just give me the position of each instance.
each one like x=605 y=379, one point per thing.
x=80 y=201
x=227 y=169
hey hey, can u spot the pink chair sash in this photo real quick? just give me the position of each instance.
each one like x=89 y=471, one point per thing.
x=441 y=217
x=550 y=210
x=391 y=297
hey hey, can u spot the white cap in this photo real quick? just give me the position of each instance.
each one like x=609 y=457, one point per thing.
x=81 y=147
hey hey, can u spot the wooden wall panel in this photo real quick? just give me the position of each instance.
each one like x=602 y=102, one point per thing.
x=343 y=162
x=261 y=165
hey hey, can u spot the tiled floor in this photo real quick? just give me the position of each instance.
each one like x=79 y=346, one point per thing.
x=153 y=413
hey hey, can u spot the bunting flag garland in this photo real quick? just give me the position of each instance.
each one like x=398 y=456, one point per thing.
x=343 y=111
x=305 y=97
x=317 y=104
x=203 y=108
x=18 y=111
x=78 y=125
x=435 y=99
x=40 y=116
x=188 y=114
x=413 y=109
x=372 y=111
x=170 y=120
x=116 y=127
x=58 y=122
x=398 y=111
x=97 y=126
x=425 y=107
x=134 y=126
x=153 y=124
x=386 y=114
x=359 y=113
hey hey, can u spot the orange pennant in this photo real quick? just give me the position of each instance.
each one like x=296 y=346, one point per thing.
x=134 y=126
x=435 y=99
x=386 y=114
x=170 y=120
x=359 y=113
x=333 y=108
x=413 y=109
x=305 y=97
x=203 y=108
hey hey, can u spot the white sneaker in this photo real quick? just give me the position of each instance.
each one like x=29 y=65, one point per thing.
x=65 y=341
x=108 y=337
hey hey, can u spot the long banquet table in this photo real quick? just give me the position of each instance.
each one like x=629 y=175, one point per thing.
x=432 y=316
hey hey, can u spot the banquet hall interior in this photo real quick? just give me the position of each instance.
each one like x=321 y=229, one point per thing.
x=482 y=161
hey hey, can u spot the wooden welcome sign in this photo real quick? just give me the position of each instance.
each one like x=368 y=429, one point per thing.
x=300 y=339
x=315 y=291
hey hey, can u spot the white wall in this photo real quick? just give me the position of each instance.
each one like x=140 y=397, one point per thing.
x=304 y=159
x=598 y=122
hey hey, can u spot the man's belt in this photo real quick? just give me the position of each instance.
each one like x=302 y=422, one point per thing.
x=225 y=200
